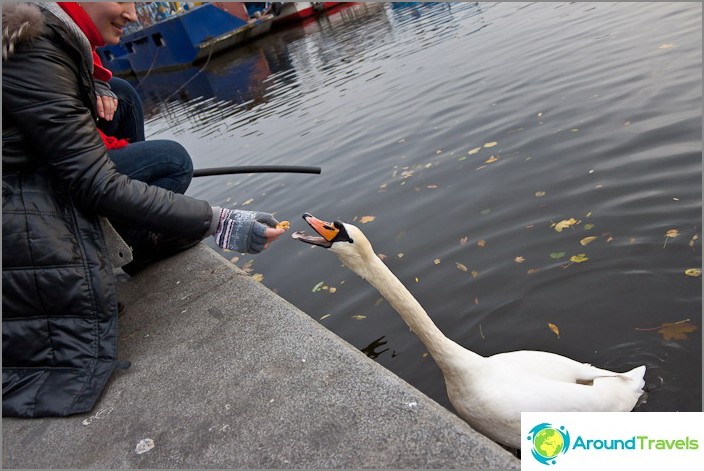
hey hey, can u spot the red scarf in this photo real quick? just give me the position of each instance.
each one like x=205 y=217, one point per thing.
x=83 y=21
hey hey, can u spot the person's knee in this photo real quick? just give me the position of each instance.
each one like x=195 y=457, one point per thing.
x=178 y=155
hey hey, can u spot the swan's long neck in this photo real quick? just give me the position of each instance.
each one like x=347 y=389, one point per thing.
x=440 y=347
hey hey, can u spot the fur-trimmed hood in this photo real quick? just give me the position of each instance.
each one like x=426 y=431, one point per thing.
x=24 y=22
x=21 y=23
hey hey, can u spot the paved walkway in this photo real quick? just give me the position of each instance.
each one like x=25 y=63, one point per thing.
x=226 y=374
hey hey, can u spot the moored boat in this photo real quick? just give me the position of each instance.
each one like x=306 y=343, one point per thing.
x=183 y=39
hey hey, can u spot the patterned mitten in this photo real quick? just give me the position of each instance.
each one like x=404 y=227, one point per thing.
x=243 y=231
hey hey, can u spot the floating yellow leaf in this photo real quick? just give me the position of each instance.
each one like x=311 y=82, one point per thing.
x=554 y=329
x=248 y=202
x=667 y=46
x=579 y=258
x=436 y=261
x=474 y=273
x=332 y=289
x=461 y=266
x=693 y=272
x=366 y=219
x=672 y=233
x=519 y=259
x=481 y=243
x=359 y=317
x=490 y=144
x=258 y=276
x=474 y=151
x=565 y=223
x=491 y=159
x=676 y=330
x=539 y=194
x=400 y=255
x=325 y=316
x=588 y=240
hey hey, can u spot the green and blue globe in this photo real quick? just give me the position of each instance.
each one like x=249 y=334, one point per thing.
x=548 y=442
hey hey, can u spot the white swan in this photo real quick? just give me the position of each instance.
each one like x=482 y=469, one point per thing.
x=488 y=392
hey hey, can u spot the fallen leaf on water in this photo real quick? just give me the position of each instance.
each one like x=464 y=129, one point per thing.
x=519 y=259
x=318 y=287
x=366 y=219
x=693 y=272
x=461 y=266
x=325 y=316
x=671 y=234
x=565 y=223
x=248 y=202
x=436 y=261
x=579 y=258
x=474 y=151
x=539 y=194
x=491 y=159
x=674 y=330
x=400 y=255
x=557 y=255
x=693 y=240
x=481 y=243
x=588 y=240
x=555 y=329
x=588 y=227
x=359 y=317
x=490 y=144
x=474 y=273
x=332 y=289
x=667 y=46
x=464 y=240
x=258 y=276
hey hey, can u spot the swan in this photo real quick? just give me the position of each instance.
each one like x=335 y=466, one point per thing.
x=487 y=392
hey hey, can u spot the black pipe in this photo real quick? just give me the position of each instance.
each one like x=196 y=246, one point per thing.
x=206 y=172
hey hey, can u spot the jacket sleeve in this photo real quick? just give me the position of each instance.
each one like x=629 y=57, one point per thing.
x=44 y=92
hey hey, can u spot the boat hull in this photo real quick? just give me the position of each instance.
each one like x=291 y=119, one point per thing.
x=181 y=40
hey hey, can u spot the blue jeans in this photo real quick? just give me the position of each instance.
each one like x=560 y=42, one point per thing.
x=128 y=121
x=159 y=162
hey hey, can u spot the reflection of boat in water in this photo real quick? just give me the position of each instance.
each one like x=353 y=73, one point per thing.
x=184 y=38
x=293 y=12
x=189 y=36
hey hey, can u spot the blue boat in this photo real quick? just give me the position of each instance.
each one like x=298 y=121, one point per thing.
x=180 y=40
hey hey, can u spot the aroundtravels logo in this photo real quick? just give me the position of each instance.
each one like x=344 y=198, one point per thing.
x=548 y=442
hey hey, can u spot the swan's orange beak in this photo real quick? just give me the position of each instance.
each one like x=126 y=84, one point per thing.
x=326 y=230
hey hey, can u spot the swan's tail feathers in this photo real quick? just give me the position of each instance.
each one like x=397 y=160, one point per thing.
x=635 y=377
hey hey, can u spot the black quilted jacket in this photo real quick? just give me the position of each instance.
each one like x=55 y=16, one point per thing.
x=59 y=307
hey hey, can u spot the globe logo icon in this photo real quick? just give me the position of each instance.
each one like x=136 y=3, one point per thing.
x=548 y=442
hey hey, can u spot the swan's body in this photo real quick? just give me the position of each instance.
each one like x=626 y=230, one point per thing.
x=488 y=392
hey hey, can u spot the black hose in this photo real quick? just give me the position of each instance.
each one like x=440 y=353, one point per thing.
x=206 y=172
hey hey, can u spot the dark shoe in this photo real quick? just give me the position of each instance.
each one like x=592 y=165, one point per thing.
x=154 y=247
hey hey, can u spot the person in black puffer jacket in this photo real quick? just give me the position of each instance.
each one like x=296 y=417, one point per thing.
x=59 y=317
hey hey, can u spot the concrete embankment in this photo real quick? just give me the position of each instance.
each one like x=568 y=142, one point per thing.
x=226 y=374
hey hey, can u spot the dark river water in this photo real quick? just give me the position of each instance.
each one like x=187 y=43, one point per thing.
x=532 y=172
